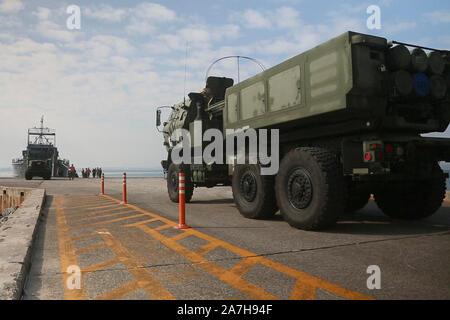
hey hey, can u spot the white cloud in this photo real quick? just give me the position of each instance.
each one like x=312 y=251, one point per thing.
x=229 y=31
x=51 y=30
x=438 y=16
x=11 y=6
x=42 y=13
x=281 y=18
x=287 y=18
x=8 y=22
x=154 y=12
x=398 y=27
x=254 y=19
x=146 y=16
x=139 y=26
x=75 y=89
x=106 y=12
x=197 y=37
x=100 y=48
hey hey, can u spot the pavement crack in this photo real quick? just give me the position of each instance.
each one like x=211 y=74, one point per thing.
x=356 y=243
x=268 y=254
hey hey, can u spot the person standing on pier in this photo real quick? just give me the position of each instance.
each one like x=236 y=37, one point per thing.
x=72 y=172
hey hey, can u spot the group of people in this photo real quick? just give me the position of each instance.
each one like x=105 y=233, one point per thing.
x=96 y=173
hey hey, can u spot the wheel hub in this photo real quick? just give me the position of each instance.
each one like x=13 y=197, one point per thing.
x=300 y=189
x=248 y=186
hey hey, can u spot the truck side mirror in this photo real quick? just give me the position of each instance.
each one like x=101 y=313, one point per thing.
x=158 y=117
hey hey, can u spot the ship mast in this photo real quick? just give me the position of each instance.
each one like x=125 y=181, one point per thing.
x=42 y=134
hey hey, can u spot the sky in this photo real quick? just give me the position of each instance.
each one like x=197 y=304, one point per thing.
x=99 y=85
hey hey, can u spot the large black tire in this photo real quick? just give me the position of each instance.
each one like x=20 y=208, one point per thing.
x=356 y=198
x=413 y=200
x=172 y=183
x=310 y=188
x=28 y=175
x=253 y=193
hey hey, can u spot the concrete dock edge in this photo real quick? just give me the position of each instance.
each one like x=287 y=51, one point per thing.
x=16 y=239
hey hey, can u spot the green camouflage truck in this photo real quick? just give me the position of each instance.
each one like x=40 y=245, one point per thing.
x=350 y=114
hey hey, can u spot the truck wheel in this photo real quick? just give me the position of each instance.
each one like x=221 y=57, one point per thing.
x=253 y=193
x=172 y=183
x=310 y=188
x=28 y=175
x=413 y=200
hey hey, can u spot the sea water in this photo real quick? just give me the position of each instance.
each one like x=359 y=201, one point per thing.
x=116 y=172
x=110 y=172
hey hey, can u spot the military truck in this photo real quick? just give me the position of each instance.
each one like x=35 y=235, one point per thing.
x=350 y=114
x=39 y=168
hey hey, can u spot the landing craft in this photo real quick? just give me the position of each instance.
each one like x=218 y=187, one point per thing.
x=41 y=158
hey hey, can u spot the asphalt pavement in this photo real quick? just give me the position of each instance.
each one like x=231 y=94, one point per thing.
x=133 y=252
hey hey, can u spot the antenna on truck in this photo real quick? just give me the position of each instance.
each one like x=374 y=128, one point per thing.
x=263 y=68
x=185 y=73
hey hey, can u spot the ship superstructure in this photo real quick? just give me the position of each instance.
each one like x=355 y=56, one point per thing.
x=41 y=157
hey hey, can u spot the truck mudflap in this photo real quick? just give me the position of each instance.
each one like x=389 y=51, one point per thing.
x=381 y=156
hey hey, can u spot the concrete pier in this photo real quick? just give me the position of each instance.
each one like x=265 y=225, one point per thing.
x=133 y=252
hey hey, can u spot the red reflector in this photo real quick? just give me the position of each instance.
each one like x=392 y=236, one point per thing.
x=380 y=156
x=389 y=148
x=373 y=146
x=368 y=156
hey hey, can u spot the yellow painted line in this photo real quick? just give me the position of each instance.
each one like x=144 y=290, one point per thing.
x=84 y=236
x=160 y=228
x=206 y=248
x=105 y=222
x=303 y=291
x=245 y=286
x=241 y=268
x=309 y=281
x=146 y=281
x=81 y=201
x=86 y=213
x=167 y=221
x=135 y=224
x=67 y=254
x=67 y=200
x=180 y=236
x=90 y=207
x=306 y=278
x=93 y=247
x=101 y=265
x=95 y=216
x=121 y=291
